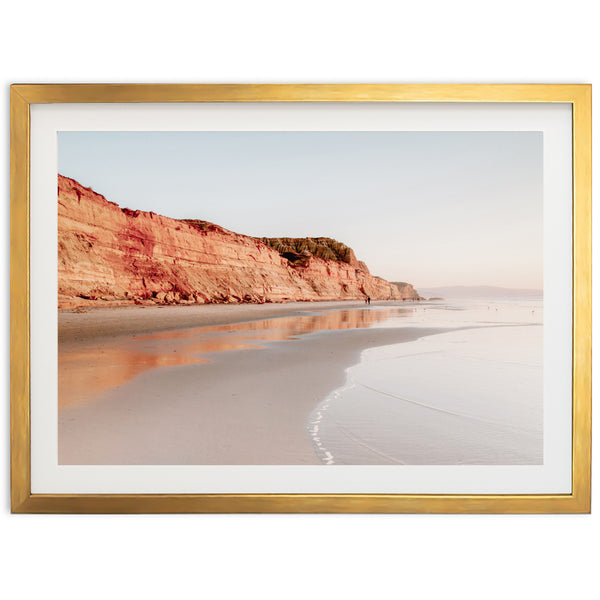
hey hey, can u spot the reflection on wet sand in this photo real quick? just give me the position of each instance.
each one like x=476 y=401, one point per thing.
x=285 y=327
x=83 y=372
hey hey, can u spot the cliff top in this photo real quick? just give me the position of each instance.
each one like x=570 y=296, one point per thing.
x=300 y=249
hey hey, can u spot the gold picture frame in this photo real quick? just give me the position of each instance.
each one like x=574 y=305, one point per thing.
x=24 y=501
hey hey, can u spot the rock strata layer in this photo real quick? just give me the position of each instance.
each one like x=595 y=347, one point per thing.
x=113 y=255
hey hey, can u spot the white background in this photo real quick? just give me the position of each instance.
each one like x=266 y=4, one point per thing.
x=262 y=556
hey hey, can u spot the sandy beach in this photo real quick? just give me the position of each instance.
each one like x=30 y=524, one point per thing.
x=96 y=323
x=216 y=384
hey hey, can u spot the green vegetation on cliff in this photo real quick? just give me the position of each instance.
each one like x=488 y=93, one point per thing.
x=295 y=249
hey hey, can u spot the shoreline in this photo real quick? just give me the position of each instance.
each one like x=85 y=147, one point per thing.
x=245 y=406
x=376 y=417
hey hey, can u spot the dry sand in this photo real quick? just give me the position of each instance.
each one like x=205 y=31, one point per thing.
x=245 y=406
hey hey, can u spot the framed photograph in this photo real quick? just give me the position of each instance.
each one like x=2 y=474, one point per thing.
x=301 y=298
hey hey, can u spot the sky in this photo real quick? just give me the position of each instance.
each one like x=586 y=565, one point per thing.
x=430 y=208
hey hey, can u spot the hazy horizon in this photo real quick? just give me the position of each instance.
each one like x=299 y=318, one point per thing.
x=480 y=291
x=432 y=208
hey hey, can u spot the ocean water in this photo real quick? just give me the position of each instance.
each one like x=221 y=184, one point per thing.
x=471 y=395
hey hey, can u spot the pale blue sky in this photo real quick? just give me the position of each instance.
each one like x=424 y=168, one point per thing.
x=431 y=208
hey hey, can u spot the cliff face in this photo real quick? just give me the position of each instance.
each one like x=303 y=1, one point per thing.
x=109 y=255
x=407 y=291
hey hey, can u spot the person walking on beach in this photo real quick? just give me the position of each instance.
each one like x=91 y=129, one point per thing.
x=368 y=300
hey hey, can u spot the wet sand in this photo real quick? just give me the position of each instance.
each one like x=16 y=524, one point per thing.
x=239 y=391
x=94 y=323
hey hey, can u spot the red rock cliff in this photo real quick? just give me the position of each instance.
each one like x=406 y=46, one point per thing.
x=110 y=255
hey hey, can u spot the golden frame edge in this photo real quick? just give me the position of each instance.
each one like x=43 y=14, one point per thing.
x=23 y=501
